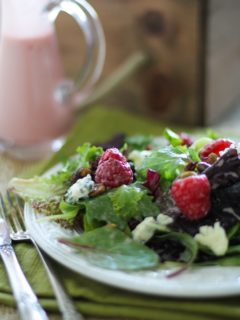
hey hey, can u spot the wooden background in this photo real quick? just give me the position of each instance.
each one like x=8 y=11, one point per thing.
x=222 y=81
x=190 y=43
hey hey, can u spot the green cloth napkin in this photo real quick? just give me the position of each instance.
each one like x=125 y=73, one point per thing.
x=100 y=124
x=93 y=298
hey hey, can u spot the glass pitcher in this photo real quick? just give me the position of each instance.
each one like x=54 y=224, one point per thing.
x=36 y=101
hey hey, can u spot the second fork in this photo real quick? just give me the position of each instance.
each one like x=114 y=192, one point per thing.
x=18 y=232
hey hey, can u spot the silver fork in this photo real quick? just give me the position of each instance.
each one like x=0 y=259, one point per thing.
x=18 y=232
x=27 y=302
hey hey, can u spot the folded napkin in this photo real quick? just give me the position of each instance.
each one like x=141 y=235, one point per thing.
x=93 y=298
x=100 y=124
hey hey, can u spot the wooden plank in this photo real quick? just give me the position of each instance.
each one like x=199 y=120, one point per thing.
x=169 y=31
x=222 y=61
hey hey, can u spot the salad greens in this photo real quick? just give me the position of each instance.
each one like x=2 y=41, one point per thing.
x=87 y=153
x=169 y=161
x=191 y=248
x=172 y=137
x=108 y=247
x=139 y=225
x=46 y=192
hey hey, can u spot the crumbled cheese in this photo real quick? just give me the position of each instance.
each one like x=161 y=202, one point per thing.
x=237 y=146
x=144 y=230
x=80 y=190
x=164 y=220
x=138 y=156
x=214 y=238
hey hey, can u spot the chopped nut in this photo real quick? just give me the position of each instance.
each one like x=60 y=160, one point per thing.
x=191 y=166
x=97 y=190
x=80 y=173
x=186 y=174
x=212 y=158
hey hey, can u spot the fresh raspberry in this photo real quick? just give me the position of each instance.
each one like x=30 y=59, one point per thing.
x=215 y=147
x=192 y=196
x=113 y=169
x=112 y=153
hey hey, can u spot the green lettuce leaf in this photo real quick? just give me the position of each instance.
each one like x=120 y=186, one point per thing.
x=139 y=142
x=119 y=205
x=68 y=211
x=110 y=248
x=193 y=154
x=100 y=209
x=125 y=200
x=227 y=261
x=43 y=188
x=87 y=153
x=44 y=193
x=168 y=161
x=142 y=142
x=37 y=188
x=212 y=134
x=172 y=137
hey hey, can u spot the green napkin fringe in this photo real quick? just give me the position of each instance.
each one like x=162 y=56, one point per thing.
x=113 y=311
x=136 y=313
x=164 y=310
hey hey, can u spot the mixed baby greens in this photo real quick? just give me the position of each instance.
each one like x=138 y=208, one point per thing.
x=138 y=224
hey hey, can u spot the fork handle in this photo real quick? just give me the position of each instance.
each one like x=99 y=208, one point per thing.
x=27 y=302
x=65 y=304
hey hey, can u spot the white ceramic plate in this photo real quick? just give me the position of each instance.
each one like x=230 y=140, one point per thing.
x=197 y=282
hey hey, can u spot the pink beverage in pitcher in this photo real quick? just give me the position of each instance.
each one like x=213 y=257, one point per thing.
x=30 y=72
x=35 y=99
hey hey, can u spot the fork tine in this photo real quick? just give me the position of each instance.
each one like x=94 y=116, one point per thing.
x=19 y=207
x=13 y=216
x=3 y=213
x=3 y=208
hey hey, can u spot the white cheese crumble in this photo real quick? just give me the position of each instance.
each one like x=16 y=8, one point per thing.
x=237 y=146
x=144 y=230
x=138 y=156
x=164 y=220
x=214 y=238
x=79 y=190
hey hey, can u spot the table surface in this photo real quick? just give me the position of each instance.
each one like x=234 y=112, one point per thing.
x=12 y=167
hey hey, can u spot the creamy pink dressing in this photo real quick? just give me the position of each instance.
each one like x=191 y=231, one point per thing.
x=30 y=71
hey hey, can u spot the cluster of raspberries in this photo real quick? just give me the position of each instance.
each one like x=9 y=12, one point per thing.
x=191 y=193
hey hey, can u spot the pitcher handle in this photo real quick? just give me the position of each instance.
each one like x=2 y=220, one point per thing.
x=87 y=18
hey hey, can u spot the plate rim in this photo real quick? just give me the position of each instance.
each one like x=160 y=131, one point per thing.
x=122 y=279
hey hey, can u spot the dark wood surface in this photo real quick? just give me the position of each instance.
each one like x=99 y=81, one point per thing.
x=194 y=46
